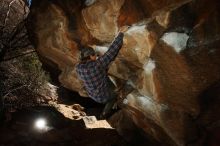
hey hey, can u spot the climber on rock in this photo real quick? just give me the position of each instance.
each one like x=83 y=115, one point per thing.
x=93 y=72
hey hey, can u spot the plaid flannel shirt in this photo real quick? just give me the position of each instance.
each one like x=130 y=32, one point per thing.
x=94 y=73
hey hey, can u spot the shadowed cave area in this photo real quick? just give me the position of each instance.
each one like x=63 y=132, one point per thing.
x=167 y=73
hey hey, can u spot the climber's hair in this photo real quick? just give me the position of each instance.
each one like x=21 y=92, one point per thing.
x=86 y=52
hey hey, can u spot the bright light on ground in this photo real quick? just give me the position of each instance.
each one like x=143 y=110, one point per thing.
x=40 y=124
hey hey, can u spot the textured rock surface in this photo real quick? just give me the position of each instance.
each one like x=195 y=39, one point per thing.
x=9 y=8
x=170 y=57
x=12 y=30
x=105 y=27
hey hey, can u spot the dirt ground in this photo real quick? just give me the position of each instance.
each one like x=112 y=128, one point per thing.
x=60 y=131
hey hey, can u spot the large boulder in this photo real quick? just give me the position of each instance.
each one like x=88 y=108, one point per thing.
x=170 y=57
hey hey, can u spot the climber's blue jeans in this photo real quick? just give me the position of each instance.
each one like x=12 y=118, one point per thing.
x=112 y=100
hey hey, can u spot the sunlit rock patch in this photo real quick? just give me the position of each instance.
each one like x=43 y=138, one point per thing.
x=177 y=40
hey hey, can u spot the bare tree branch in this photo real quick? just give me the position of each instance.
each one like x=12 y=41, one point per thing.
x=12 y=90
x=14 y=57
x=18 y=29
x=9 y=6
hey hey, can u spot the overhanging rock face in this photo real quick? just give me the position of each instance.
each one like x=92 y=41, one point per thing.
x=170 y=56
